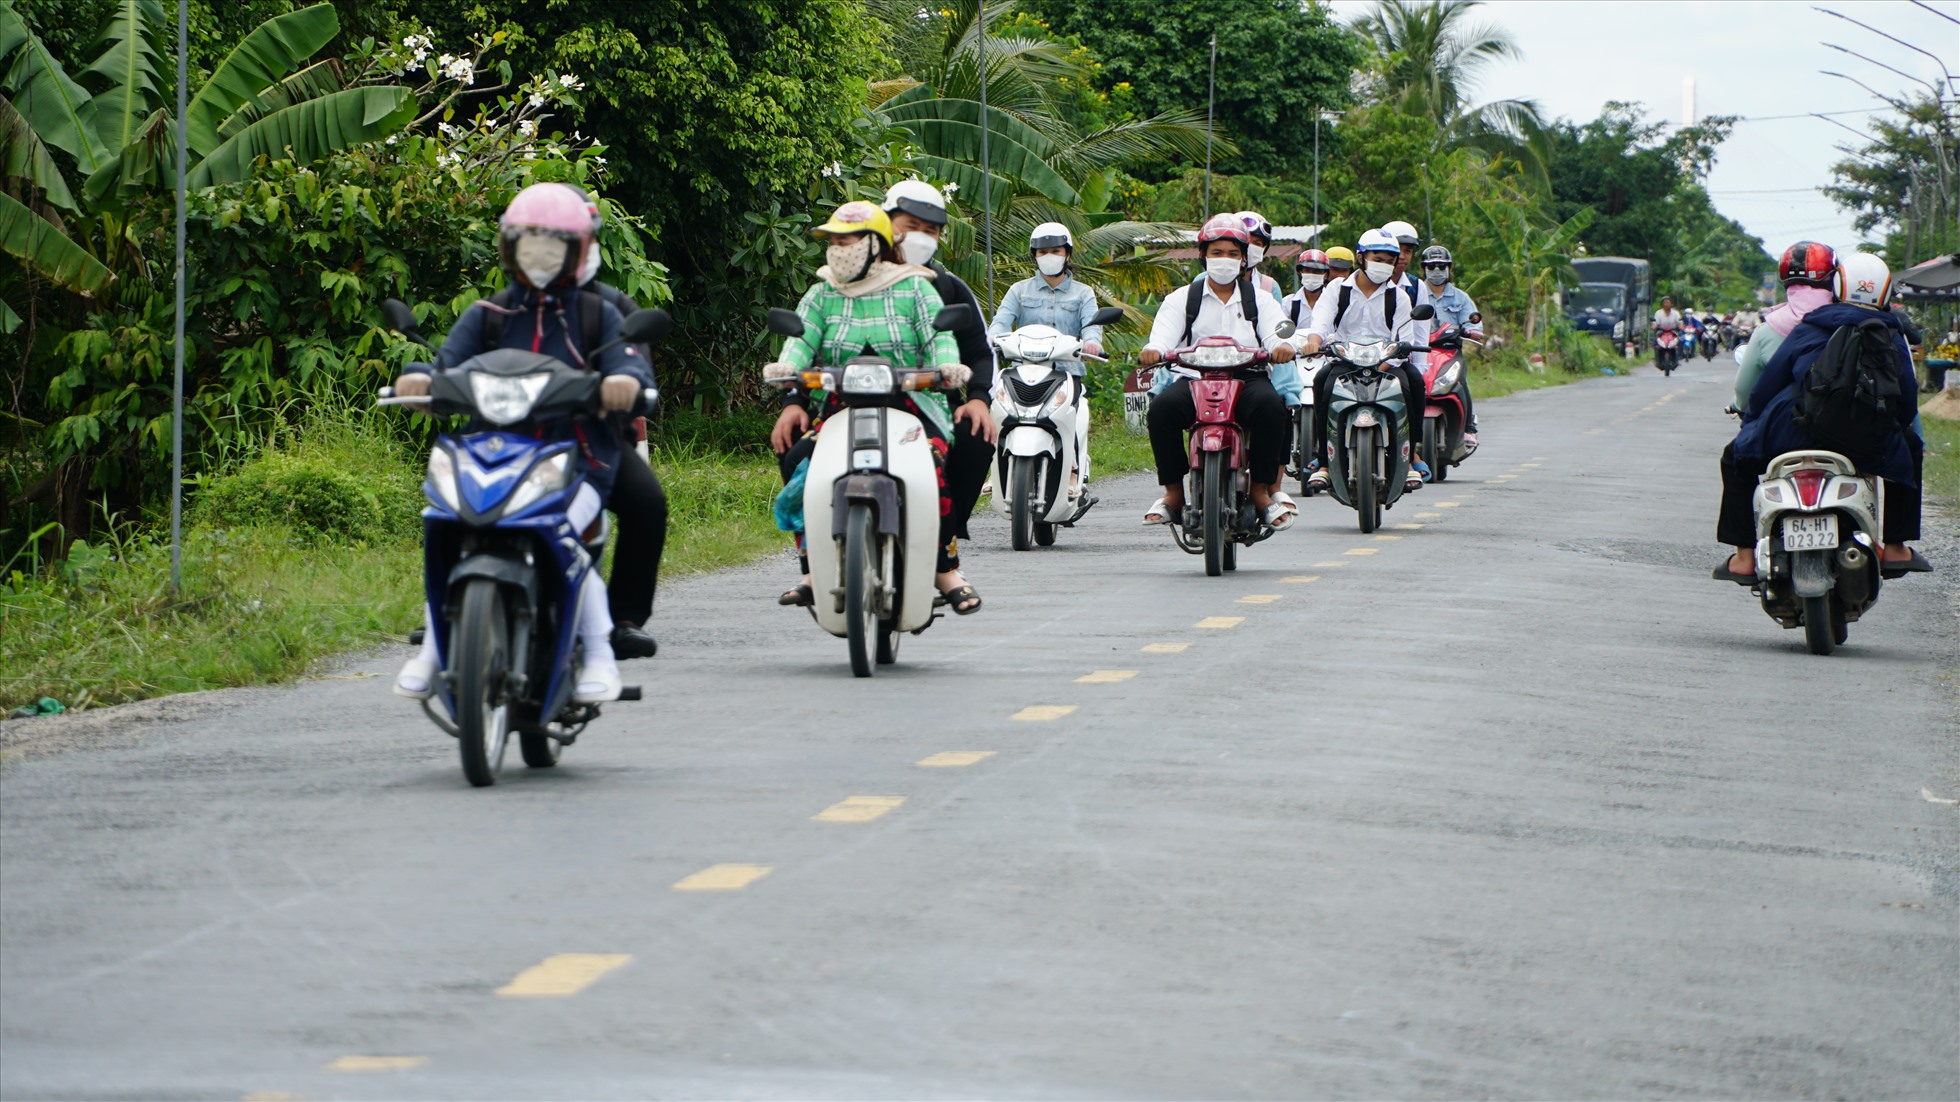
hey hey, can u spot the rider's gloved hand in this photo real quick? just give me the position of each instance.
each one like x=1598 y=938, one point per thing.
x=618 y=392
x=954 y=376
x=778 y=372
x=411 y=385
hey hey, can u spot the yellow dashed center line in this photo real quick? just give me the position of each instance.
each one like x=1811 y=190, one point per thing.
x=1427 y=516
x=1219 y=623
x=954 y=759
x=1042 y=713
x=1448 y=504
x=1302 y=579
x=1409 y=527
x=1386 y=536
x=376 y=1063
x=1527 y=466
x=857 y=809
x=1361 y=550
x=1329 y=565
x=564 y=974
x=1258 y=598
x=1165 y=648
x=1538 y=459
x=723 y=878
x=1105 y=677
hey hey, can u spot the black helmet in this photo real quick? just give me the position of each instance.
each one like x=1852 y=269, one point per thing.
x=1436 y=254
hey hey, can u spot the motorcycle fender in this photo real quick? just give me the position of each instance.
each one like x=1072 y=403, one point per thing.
x=512 y=573
x=1031 y=440
x=879 y=489
x=909 y=459
x=1812 y=573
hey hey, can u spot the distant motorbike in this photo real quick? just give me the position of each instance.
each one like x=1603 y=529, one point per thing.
x=503 y=562
x=1302 y=415
x=871 y=487
x=1369 y=445
x=1218 y=512
x=1817 y=544
x=1711 y=338
x=1667 y=350
x=1445 y=419
x=1036 y=405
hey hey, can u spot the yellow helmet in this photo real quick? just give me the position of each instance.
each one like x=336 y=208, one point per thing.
x=858 y=216
x=1341 y=256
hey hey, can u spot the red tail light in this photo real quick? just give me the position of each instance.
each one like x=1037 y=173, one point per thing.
x=1810 y=486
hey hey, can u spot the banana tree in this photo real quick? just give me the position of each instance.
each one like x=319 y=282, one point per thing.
x=1540 y=253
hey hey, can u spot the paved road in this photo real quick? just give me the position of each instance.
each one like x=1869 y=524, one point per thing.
x=1511 y=800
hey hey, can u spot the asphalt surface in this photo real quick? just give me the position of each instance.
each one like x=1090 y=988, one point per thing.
x=1515 y=803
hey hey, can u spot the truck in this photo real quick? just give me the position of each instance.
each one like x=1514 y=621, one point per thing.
x=1614 y=299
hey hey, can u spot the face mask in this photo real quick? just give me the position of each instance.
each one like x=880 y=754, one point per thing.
x=1436 y=276
x=850 y=261
x=591 y=266
x=1312 y=282
x=917 y=248
x=1223 y=269
x=1050 y=265
x=1379 y=271
x=540 y=257
x=1255 y=255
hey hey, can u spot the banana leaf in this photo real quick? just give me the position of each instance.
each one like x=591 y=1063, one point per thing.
x=268 y=55
x=23 y=157
x=40 y=244
x=316 y=80
x=309 y=130
x=126 y=72
x=59 y=110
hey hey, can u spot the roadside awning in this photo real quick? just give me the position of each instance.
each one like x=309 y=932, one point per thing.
x=1938 y=274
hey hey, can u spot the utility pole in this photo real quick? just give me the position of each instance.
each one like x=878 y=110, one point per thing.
x=986 y=162
x=1211 y=102
x=1316 y=175
x=177 y=388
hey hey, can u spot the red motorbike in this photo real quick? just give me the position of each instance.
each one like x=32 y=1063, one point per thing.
x=1667 y=350
x=1218 y=510
x=1444 y=417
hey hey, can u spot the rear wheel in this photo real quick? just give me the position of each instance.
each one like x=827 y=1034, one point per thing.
x=1367 y=493
x=1840 y=627
x=482 y=659
x=860 y=605
x=1435 y=437
x=1212 y=487
x=1020 y=501
x=540 y=751
x=1819 y=632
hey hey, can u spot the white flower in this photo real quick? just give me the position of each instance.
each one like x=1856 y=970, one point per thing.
x=597 y=160
x=449 y=131
x=951 y=189
x=530 y=156
x=567 y=80
x=537 y=99
x=832 y=170
x=460 y=69
x=528 y=127
x=391 y=139
x=410 y=67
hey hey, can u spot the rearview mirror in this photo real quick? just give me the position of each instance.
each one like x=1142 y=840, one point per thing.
x=1423 y=312
x=1108 y=315
x=950 y=318
x=1285 y=328
x=785 y=323
x=398 y=316
x=647 y=326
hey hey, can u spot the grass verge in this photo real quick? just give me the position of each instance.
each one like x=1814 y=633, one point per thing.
x=1943 y=461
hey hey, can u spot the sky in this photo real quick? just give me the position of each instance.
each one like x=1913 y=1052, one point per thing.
x=1752 y=58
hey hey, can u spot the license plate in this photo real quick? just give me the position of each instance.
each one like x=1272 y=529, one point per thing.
x=1810 y=533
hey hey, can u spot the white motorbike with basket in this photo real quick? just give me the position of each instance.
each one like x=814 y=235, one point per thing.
x=1037 y=405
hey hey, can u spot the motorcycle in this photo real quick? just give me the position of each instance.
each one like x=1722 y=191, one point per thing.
x=1302 y=414
x=873 y=477
x=1817 y=544
x=1368 y=425
x=1667 y=350
x=1218 y=510
x=1444 y=418
x=1711 y=338
x=1036 y=406
x=505 y=555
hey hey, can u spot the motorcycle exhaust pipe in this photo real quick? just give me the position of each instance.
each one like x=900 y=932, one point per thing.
x=1855 y=581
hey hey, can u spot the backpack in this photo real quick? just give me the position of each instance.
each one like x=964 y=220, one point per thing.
x=1195 y=300
x=591 y=319
x=1846 y=403
x=1388 y=306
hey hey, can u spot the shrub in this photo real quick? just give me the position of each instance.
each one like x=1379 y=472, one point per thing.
x=336 y=481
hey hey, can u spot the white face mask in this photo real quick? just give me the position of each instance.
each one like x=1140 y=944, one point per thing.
x=1051 y=264
x=917 y=248
x=1380 y=271
x=850 y=261
x=1223 y=269
x=1256 y=254
x=541 y=258
x=1312 y=282
x=591 y=266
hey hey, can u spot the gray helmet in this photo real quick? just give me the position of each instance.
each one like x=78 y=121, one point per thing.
x=1436 y=254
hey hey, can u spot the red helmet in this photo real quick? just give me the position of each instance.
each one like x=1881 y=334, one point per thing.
x=1808 y=262
x=1312 y=260
x=1224 y=227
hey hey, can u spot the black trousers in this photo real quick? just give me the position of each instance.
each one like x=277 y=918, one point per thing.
x=1735 y=525
x=966 y=471
x=1414 y=396
x=1260 y=410
x=639 y=508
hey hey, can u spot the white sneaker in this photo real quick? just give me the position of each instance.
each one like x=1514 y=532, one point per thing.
x=597 y=681
x=417 y=681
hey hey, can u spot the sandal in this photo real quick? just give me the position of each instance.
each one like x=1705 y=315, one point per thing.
x=1279 y=516
x=956 y=600
x=798 y=596
x=1897 y=569
x=1159 y=510
x=1723 y=573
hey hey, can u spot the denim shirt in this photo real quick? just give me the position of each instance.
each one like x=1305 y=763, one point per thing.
x=1067 y=306
x=1453 y=306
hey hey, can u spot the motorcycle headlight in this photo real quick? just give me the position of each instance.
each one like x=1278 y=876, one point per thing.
x=1446 y=382
x=1216 y=355
x=506 y=399
x=867 y=379
x=1037 y=349
x=1366 y=355
x=548 y=476
x=441 y=483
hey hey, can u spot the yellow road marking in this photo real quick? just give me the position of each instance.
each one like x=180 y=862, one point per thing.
x=1387 y=537
x=1302 y=579
x=564 y=974
x=1361 y=550
x=376 y=1063
x=952 y=759
x=1409 y=527
x=1042 y=713
x=1104 y=677
x=857 y=809
x=1427 y=516
x=1329 y=565
x=1219 y=623
x=1165 y=648
x=272 y=1096
x=1538 y=458
x=1258 y=598
x=1526 y=466
x=723 y=878
x=1448 y=504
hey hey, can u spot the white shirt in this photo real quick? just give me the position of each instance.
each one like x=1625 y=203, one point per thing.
x=1215 y=319
x=1363 y=321
x=1667 y=319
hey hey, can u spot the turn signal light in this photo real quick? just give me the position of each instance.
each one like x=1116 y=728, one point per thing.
x=814 y=380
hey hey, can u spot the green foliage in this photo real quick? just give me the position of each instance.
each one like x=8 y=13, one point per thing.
x=349 y=484
x=1896 y=187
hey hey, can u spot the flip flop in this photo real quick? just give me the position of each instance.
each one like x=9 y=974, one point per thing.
x=1915 y=565
x=956 y=597
x=1724 y=574
x=1159 y=510
x=1279 y=517
x=798 y=596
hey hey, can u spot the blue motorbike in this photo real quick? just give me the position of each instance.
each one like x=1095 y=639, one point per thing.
x=508 y=543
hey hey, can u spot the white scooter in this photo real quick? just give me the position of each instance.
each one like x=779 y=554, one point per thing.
x=1310 y=367
x=872 y=488
x=1817 y=544
x=1036 y=405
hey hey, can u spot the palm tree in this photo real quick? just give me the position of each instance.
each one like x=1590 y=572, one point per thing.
x=1431 y=57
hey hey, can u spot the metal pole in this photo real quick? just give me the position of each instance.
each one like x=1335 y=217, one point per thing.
x=1211 y=101
x=177 y=388
x=986 y=162
x=1316 y=176
x=1428 y=217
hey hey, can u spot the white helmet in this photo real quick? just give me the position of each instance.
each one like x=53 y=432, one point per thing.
x=1048 y=235
x=1377 y=241
x=1863 y=280
x=1403 y=233
x=918 y=199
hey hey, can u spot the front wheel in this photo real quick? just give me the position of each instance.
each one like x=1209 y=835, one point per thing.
x=860 y=602
x=482 y=659
x=1435 y=438
x=1367 y=491
x=1020 y=501
x=1044 y=534
x=888 y=639
x=1212 y=489
x=1819 y=632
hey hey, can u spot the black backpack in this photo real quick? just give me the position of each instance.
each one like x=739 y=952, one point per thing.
x=1848 y=402
x=1195 y=299
x=1388 y=305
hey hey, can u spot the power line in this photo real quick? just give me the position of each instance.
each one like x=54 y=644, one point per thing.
x=1935 y=11
x=1811 y=114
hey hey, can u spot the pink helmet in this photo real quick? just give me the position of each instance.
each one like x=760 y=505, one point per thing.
x=546 y=236
x=1224 y=227
x=1256 y=224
